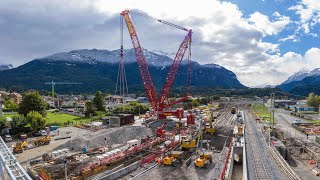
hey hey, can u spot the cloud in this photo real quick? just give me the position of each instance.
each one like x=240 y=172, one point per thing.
x=268 y=27
x=292 y=38
x=309 y=12
x=222 y=34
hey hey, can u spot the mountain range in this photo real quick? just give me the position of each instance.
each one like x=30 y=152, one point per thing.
x=302 y=82
x=98 y=69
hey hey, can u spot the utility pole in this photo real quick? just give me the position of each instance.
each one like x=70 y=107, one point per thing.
x=262 y=109
x=272 y=109
x=273 y=94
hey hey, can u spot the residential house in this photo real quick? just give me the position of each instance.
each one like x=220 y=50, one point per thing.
x=15 y=97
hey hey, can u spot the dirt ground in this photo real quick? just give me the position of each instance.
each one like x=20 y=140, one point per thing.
x=39 y=151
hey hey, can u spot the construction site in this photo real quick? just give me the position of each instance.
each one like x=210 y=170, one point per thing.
x=225 y=140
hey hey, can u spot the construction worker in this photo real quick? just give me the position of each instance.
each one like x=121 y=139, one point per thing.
x=159 y=161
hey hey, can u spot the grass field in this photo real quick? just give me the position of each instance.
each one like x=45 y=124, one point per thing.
x=10 y=115
x=62 y=119
x=263 y=112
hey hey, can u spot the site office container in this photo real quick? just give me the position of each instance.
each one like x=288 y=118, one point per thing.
x=121 y=120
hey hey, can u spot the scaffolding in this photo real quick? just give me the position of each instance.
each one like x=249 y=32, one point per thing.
x=12 y=167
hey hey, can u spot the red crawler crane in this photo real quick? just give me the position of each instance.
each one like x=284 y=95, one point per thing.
x=158 y=105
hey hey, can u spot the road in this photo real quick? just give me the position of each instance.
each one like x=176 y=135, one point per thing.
x=285 y=121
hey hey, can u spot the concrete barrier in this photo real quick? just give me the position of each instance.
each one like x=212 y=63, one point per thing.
x=122 y=171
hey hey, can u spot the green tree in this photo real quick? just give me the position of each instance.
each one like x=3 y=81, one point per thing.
x=98 y=101
x=36 y=120
x=215 y=98
x=195 y=103
x=32 y=101
x=18 y=121
x=85 y=97
x=9 y=104
x=313 y=100
x=3 y=122
x=90 y=109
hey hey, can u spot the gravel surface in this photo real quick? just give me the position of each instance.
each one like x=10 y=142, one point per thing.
x=119 y=135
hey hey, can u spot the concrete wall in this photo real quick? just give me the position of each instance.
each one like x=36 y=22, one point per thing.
x=122 y=171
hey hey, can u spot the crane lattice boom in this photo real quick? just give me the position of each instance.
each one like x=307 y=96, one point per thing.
x=158 y=104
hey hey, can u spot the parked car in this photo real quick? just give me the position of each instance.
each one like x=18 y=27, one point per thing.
x=43 y=133
x=7 y=138
x=39 y=133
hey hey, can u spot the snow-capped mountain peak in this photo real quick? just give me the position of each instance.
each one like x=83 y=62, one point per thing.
x=315 y=72
x=298 y=76
x=92 y=56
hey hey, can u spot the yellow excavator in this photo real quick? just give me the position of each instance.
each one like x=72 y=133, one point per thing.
x=20 y=146
x=172 y=158
x=205 y=158
x=209 y=128
x=42 y=141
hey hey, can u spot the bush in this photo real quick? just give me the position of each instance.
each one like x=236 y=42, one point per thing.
x=3 y=122
x=18 y=121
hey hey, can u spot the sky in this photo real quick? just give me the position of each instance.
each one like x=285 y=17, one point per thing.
x=263 y=41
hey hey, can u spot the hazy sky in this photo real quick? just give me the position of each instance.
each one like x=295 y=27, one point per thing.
x=262 y=42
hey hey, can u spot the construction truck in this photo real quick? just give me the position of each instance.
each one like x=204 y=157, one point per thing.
x=172 y=158
x=209 y=128
x=203 y=160
x=42 y=141
x=188 y=143
x=20 y=146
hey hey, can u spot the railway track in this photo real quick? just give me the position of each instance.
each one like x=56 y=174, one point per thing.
x=259 y=166
x=281 y=162
x=224 y=118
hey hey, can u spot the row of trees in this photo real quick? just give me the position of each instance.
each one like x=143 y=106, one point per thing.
x=32 y=111
x=192 y=103
x=133 y=108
